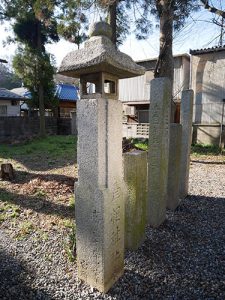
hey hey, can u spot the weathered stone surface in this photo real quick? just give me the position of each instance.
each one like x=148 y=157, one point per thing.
x=174 y=166
x=186 y=114
x=99 y=55
x=135 y=175
x=99 y=193
x=74 y=123
x=159 y=115
x=100 y=28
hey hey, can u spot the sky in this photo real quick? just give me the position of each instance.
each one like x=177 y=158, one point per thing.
x=198 y=32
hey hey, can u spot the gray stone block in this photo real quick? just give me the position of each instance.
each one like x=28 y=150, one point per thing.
x=159 y=116
x=186 y=114
x=174 y=166
x=135 y=175
x=100 y=193
x=73 y=123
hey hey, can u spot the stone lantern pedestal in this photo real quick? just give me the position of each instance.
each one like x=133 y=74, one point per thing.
x=100 y=188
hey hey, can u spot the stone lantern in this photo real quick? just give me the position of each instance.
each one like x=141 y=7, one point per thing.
x=100 y=188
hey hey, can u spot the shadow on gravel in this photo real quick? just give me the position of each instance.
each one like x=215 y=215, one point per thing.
x=208 y=162
x=16 y=280
x=40 y=205
x=182 y=259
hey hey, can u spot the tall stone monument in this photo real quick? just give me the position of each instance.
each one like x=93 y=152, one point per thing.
x=135 y=176
x=186 y=115
x=159 y=119
x=173 y=188
x=99 y=192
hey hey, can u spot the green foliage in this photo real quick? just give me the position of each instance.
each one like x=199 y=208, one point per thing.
x=53 y=146
x=139 y=15
x=72 y=202
x=141 y=144
x=71 y=21
x=27 y=65
x=29 y=17
x=7 y=210
x=70 y=243
x=34 y=24
x=200 y=149
x=25 y=228
x=8 y=79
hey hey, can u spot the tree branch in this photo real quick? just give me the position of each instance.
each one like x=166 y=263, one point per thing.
x=213 y=9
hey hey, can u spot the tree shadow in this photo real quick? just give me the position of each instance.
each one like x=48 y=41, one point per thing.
x=37 y=204
x=208 y=162
x=16 y=280
x=22 y=177
x=41 y=162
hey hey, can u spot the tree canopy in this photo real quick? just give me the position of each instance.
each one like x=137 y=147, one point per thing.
x=8 y=79
x=34 y=24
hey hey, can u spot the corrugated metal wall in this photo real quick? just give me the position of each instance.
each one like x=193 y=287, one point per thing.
x=133 y=89
x=138 y=88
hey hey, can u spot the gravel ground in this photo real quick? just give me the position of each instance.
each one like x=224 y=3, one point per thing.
x=183 y=259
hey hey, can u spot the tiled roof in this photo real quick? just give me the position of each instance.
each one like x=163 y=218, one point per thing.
x=20 y=91
x=66 y=92
x=207 y=50
x=8 y=95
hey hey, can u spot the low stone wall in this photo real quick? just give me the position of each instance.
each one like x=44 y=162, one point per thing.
x=17 y=128
x=208 y=134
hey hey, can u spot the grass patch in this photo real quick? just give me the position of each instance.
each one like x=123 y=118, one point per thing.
x=68 y=223
x=25 y=228
x=70 y=243
x=142 y=145
x=40 y=193
x=8 y=211
x=200 y=149
x=54 y=146
x=72 y=202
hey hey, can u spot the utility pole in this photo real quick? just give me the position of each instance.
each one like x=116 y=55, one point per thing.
x=221 y=126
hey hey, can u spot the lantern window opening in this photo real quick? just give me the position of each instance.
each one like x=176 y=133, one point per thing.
x=109 y=87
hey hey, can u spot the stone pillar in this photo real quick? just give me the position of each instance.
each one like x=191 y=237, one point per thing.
x=73 y=123
x=99 y=193
x=186 y=114
x=159 y=115
x=174 y=166
x=135 y=175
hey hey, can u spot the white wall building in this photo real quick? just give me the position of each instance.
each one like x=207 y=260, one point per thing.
x=9 y=103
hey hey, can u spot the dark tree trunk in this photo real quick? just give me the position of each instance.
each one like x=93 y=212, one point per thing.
x=165 y=62
x=112 y=21
x=40 y=87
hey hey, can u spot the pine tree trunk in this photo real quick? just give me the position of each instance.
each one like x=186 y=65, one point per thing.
x=112 y=21
x=42 y=131
x=165 y=63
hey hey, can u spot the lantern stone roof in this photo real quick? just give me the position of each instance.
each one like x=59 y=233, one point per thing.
x=99 y=55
